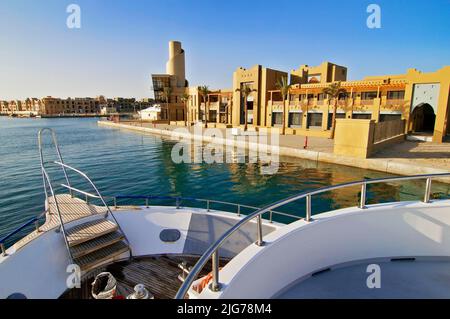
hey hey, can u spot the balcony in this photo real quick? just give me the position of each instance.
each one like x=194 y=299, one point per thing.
x=366 y=102
x=277 y=104
x=342 y=103
x=395 y=103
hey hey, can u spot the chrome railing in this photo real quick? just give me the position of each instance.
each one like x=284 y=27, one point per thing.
x=213 y=251
x=89 y=195
x=47 y=183
x=208 y=204
x=58 y=152
x=34 y=220
x=61 y=221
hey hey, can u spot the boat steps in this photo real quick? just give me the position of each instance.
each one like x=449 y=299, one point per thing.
x=90 y=230
x=98 y=257
x=96 y=244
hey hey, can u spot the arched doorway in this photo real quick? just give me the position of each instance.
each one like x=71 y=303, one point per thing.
x=423 y=118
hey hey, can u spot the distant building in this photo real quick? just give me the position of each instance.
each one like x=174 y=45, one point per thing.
x=126 y=105
x=72 y=106
x=172 y=107
x=4 y=107
x=152 y=113
x=107 y=110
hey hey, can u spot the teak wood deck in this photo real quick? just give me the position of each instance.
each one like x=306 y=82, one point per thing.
x=159 y=274
x=71 y=208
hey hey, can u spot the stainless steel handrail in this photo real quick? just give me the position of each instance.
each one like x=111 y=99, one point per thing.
x=207 y=201
x=87 y=194
x=47 y=182
x=213 y=251
x=99 y=196
x=58 y=152
x=61 y=222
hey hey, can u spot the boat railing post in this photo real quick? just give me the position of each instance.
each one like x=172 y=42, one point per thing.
x=259 y=241
x=2 y=246
x=115 y=202
x=308 y=207
x=362 y=203
x=177 y=202
x=36 y=225
x=271 y=217
x=426 y=198
x=146 y=202
x=207 y=205
x=215 y=285
x=87 y=199
x=239 y=210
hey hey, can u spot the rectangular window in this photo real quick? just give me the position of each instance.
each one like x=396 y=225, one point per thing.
x=295 y=119
x=396 y=95
x=362 y=116
x=368 y=95
x=314 y=120
x=277 y=118
x=320 y=97
x=390 y=117
x=330 y=118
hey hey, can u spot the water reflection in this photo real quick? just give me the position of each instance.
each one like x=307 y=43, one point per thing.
x=124 y=162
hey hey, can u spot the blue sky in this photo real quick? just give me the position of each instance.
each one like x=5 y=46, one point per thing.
x=122 y=42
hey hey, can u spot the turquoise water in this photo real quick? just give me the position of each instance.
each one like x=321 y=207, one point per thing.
x=128 y=163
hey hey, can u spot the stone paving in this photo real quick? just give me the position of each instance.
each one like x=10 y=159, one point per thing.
x=426 y=154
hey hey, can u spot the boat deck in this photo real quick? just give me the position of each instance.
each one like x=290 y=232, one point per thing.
x=159 y=274
x=71 y=208
x=399 y=279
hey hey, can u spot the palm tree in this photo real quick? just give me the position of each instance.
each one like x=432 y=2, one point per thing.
x=284 y=88
x=185 y=98
x=167 y=92
x=245 y=91
x=333 y=91
x=204 y=91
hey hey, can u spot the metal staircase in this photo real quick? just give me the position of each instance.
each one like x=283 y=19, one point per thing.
x=95 y=242
x=92 y=243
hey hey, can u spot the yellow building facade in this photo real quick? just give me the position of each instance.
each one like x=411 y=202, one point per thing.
x=421 y=99
x=418 y=100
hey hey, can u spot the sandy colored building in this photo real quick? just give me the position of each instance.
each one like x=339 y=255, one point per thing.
x=420 y=99
x=4 y=107
x=172 y=106
x=415 y=103
x=217 y=104
x=56 y=106
x=261 y=80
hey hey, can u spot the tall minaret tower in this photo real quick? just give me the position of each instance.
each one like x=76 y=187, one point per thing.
x=175 y=66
